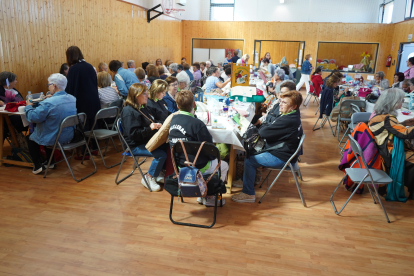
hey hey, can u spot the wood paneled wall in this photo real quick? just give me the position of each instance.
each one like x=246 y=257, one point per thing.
x=278 y=50
x=35 y=35
x=346 y=54
x=401 y=32
x=218 y=44
x=311 y=33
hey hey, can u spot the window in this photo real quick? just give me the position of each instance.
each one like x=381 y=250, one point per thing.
x=409 y=9
x=385 y=12
x=222 y=10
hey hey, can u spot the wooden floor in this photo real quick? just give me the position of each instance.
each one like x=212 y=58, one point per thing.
x=55 y=226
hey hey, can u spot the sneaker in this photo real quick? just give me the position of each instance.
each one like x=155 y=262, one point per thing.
x=51 y=166
x=210 y=201
x=243 y=198
x=151 y=181
x=160 y=177
x=200 y=200
x=38 y=169
x=237 y=184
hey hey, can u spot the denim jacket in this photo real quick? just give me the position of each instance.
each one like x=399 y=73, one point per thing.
x=124 y=79
x=306 y=67
x=48 y=116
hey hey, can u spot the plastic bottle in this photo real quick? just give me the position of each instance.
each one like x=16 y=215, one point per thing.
x=29 y=96
x=42 y=96
x=236 y=102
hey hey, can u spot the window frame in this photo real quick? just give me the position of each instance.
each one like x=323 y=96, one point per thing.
x=411 y=10
x=215 y=5
x=382 y=6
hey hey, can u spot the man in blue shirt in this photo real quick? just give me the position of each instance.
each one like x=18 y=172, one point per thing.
x=123 y=78
x=305 y=72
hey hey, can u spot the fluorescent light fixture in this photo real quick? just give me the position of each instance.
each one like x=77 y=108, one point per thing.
x=282 y=1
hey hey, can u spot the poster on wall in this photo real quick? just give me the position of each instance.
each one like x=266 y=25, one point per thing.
x=240 y=75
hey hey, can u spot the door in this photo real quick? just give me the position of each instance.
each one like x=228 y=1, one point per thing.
x=406 y=51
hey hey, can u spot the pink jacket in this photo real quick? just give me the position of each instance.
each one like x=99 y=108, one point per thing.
x=409 y=73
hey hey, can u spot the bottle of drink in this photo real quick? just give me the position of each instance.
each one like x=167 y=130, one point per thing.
x=29 y=96
x=236 y=102
x=42 y=96
x=244 y=99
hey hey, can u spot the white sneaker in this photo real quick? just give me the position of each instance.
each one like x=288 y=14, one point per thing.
x=151 y=181
x=160 y=177
x=210 y=201
x=237 y=184
x=200 y=200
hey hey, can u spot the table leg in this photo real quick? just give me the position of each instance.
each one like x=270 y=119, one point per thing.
x=232 y=169
x=1 y=140
x=12 y=133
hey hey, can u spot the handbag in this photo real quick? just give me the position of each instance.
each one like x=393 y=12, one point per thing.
x=190 y=180
x=161 y=136
x=78 y=132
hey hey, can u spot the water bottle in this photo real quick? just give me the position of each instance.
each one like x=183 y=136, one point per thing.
x=236 y=102
x=244 y=99
x=29 y=96
x=411 y=102
x=42 y=96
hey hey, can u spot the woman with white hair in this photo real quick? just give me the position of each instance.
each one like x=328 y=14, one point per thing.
x=384 y=126
x=243 y=61
x=380 y=81
x=277 y=80
x=48 y=115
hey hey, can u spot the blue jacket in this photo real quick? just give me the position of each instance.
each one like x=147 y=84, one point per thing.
x=124 y=79
x=48 y=116
x=189 y=74
x=171 y=104
x=306 y=67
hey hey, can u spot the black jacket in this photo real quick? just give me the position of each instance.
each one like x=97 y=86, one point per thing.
x=83 y=85
x=187 y=128
x=151 y=79
x=326 y=101
x=235 y=59
x=159 y=109
x=136 y=128
x=287 y=129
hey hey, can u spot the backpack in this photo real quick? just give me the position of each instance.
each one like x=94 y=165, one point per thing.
x=190 y=180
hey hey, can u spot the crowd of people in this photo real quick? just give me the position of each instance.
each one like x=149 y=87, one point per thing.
x=154 y=91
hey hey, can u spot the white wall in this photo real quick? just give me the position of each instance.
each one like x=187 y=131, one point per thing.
x=348 y=11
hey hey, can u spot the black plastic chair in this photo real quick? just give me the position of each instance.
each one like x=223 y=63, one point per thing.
x=215 y=186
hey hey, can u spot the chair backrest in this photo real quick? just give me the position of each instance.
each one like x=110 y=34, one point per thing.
x=118 y=127
x=109 y=112
x=191 y=147
x=298 y=149
x=119 y=103
x=311 y=83
x=356 y=149
x=347 y=109
x=360 y=117
x=72 y=121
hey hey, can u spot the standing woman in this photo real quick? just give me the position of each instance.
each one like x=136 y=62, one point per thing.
x=409 y=73
x=83 y=85
x=305 y=72
x=155 y=103
x=317 y=81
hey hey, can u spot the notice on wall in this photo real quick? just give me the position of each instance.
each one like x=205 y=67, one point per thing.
x=370 y=77
x=357 y=76
x=240 y=75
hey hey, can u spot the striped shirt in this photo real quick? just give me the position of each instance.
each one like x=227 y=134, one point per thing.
x=107 y=95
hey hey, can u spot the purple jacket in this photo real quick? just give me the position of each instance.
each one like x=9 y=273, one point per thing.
x=409 y=73
x=197 y=77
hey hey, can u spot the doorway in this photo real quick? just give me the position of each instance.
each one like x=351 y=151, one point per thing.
x=404 y=53
x=293 y=51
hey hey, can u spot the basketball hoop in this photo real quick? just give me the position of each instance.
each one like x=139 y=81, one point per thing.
x=168 y=7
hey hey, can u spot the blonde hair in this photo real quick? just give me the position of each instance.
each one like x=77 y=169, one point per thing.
x=157 y=86
x=245 y=57
x=307 y=56
x=104 y=79
x=140 y=73
x=134 y=91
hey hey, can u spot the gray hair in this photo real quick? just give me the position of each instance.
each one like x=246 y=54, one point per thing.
x=280 y=73
x=59 y=80
x=411 y=81
x=211 y=70
x=129 y=63
x=389 y=101
x=180 y=67
x=380 y=74
x=181 y=78
x=220 y=63
x=407 y=82
x=208 y=62
x=173 y=67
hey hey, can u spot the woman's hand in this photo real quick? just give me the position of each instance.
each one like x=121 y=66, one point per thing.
x=28 y=102
x=155 y=126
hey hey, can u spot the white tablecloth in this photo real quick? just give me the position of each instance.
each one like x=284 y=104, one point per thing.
x=20 y=112
x=401 y=117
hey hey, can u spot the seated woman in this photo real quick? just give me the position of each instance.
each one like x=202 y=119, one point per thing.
x=384 y=126
x=277 y=80
x=317 y=81
x=244 y=60
x=380 y=81
x=15 y=120
x=47 y=116
x=182 y=82
x=264 y=68
x=184 y=126
x=161 y=72
x=186 y=67
x=406 y=86
x=169 y=97
x=107 y=94
x=158 y=62
x=286 y=129
x=140 y=73
x=156 y=103
x=152 y=73
x=139 y=125
x=213 y=80
x=398 y=80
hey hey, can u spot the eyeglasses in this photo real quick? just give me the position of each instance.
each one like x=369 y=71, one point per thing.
x=174 y=84
x=49 y=84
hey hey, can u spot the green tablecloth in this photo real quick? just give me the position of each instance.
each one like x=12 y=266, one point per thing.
x=254 y=99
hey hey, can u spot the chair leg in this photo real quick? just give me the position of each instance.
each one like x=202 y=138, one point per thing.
x=265 y=179
x=102 y=155
x=191 y=224
x=307 y=96
x=268 y=189
x=380 y=202
x=317 y=109
x=50 y=160
x=299 y=174
x=331 y=199
x=340 y=142
x=316 y=124
x=331 y=127
x=298 y=186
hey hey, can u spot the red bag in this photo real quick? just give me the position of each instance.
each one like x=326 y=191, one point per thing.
x=363 y=92
x=14 y=107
